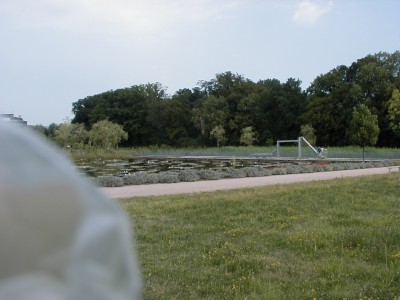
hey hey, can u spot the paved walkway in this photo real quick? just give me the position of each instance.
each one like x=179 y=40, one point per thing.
x=237 y=183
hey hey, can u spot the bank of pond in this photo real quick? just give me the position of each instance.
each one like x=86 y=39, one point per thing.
x=150 y=170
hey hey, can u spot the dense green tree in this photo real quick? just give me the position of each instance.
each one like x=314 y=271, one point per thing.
x=233 y=88
x=273 y=109
x=332 y=96
x=209 y=113
x=248 y=136
x=106 y=134
x=128 y=107
x=330 y=106
x=50 y=131
x=277 y=108
x=156 y=99
x=178 y=118
x=364 y=128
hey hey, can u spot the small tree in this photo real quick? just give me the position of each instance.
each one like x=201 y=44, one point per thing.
x=308 y=132
x=394 y=110
x=218 y=132
x=364 y=128
x=71 y=135
x=248 y=136
x=106 y=134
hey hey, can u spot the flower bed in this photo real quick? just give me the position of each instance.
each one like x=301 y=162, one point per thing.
x=186 y=175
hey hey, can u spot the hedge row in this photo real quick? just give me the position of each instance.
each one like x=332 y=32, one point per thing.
x=215 y=174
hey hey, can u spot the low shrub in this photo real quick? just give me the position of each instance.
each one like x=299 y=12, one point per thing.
x=109 y=181
x=338 y=167
x=317 y=168
x=292 y=170
x=135 y=178
x=233 y=173
x=188 y=175
x=327 y=168
x=349 y=166
x=209 y=174
x=305 y=169
x=152 y=178
x=257 y=171
x=377 y=164
x=168 y=177
x=191 y=175
x=279 y=171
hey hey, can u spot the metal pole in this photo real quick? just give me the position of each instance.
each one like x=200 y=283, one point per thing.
x=299 y=141
x=278 y=151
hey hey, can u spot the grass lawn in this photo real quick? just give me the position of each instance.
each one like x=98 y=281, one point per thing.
x=324 y=240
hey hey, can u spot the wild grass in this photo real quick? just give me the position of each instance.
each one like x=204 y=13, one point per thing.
x=336 y=239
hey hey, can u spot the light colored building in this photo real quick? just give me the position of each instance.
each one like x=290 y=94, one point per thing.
x=13 y=119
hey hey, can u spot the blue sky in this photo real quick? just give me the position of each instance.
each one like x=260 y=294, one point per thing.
x=55 y=52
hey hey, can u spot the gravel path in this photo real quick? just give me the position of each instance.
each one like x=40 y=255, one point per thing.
x=237 y=183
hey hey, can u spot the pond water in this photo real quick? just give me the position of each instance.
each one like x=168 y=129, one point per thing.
x=120 y=167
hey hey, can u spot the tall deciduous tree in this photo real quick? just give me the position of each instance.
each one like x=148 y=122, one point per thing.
x=233 y=88
x=106 y=134
x=364 y=128
x=210 y=113
x=332 y=96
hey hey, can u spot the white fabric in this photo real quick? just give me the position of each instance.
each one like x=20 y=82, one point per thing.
x=60 y=238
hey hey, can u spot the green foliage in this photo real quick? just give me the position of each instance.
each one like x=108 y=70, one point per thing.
x=308 y=132
x=210 y=113
x=218 y=132
x=394 y=110
x=364 y=129
x=275 y=110
x=370 y=81
x=334 y=239
x=71 y=135
x=106 y=134
x=248 y=136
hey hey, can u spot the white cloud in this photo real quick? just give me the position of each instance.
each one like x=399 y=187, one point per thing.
x=134 y=16
x=309 y=12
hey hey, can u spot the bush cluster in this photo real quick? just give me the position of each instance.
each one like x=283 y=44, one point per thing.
x=229 y=172
x=109 y=181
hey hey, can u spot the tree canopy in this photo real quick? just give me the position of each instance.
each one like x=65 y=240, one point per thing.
x=364 y=129
x=272 y=109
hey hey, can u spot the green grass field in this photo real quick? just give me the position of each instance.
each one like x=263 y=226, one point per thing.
x=335 y=239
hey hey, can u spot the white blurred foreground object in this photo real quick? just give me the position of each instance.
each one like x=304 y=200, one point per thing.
x=60 y=238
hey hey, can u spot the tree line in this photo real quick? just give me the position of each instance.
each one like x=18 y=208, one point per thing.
x=233 y=110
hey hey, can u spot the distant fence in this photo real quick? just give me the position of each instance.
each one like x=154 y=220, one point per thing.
x=285 y=152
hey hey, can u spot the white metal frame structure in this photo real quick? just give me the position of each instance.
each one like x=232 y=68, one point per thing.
x=321 y=152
